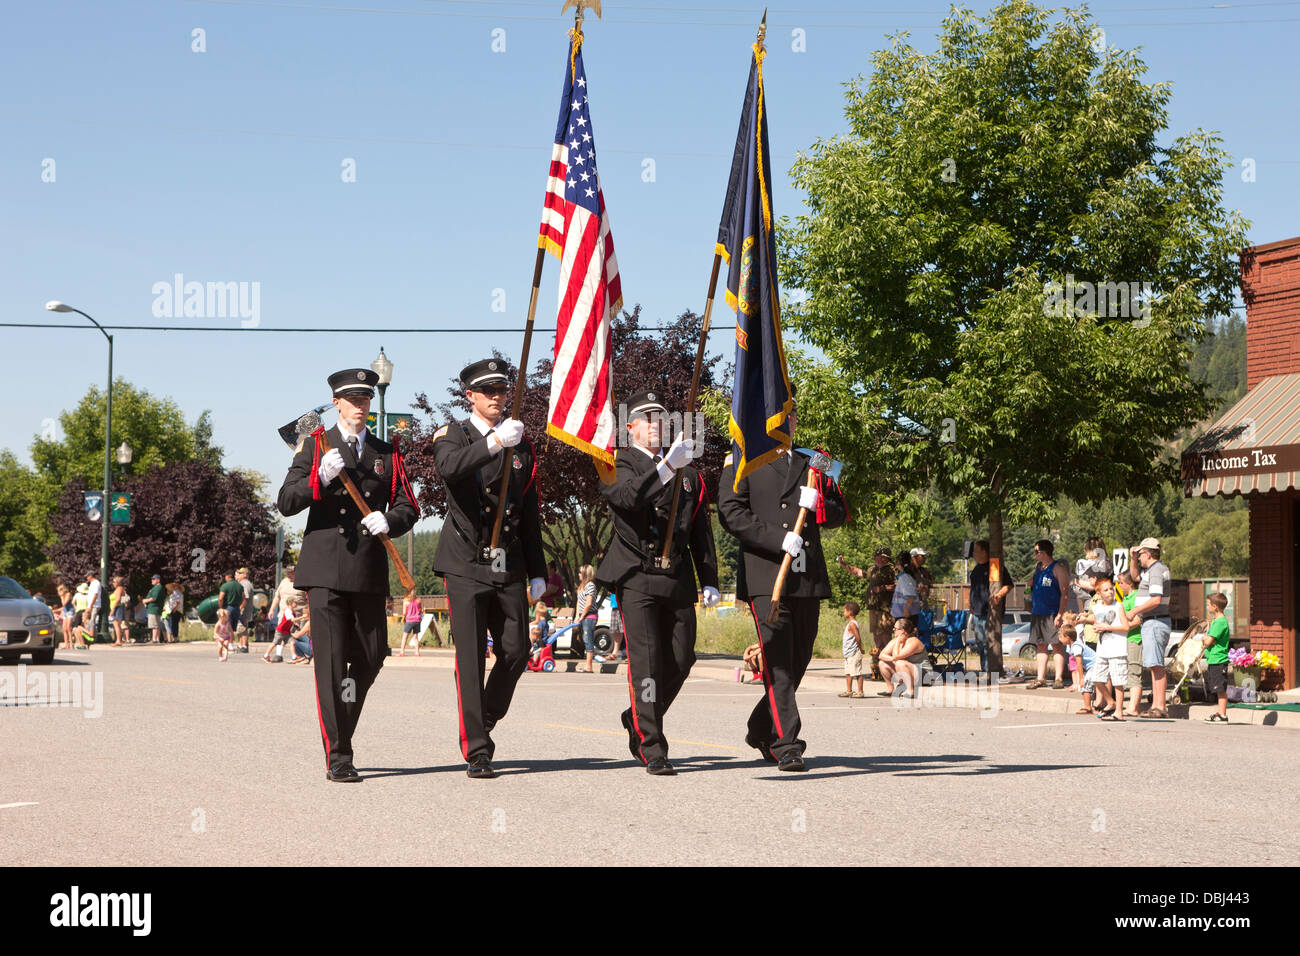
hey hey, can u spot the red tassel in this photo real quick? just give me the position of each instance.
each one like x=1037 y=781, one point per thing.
x=821 y=493
x=392 y=492
x=315 y=462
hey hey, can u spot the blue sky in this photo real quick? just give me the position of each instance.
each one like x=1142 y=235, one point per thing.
x=226 y=165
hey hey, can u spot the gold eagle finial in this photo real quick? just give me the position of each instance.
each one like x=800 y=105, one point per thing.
x=580 y=5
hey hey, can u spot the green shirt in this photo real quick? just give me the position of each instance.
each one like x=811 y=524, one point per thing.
x=1217 y=653
x=234 y=593
x=1134 y=632
x=154 y=599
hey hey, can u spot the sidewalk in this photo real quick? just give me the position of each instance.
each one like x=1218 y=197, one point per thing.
x=826 y=675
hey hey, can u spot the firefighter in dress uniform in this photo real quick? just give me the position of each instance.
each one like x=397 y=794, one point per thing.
x=486 y=588
x=343 y=566
x=761 y=514
x=657 y=604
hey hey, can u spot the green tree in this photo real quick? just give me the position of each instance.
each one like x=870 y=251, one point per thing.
x=1213 y=545
x=972 y=179
x=23 y=524
x=154 y=427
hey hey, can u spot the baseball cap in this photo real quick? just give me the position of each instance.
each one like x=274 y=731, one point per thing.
x=1149 y=544
x=919 y=551
x=883 y=553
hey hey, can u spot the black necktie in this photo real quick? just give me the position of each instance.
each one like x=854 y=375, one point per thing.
x=352 y=446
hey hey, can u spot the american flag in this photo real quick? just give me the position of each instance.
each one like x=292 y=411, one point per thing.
x=575 y=229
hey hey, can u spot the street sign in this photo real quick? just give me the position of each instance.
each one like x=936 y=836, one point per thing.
x=121 y=510
x=94 y=505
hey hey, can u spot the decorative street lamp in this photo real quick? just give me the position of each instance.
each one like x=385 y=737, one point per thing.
x=384 y=369
x=57 y=306
x=124 y=456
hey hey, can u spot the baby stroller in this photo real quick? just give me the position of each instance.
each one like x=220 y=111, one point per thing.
x=1185 y=662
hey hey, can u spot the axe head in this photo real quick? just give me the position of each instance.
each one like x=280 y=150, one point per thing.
x=302 y=425
x=824 y=463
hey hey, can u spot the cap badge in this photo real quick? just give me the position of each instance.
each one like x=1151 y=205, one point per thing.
x=650 y=395
x=361 y=376
x=492 y=366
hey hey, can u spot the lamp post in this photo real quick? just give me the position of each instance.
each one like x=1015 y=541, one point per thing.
x=384 y=369
x=124 y=455
x=57 y=306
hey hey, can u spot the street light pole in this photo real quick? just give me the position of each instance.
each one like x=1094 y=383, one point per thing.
x=105 y=511
x=382 y=367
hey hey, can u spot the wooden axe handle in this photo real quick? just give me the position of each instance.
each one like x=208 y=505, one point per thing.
x=403 y=574
x=775 y=609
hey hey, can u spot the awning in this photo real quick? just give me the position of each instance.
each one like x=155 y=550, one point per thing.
x=1253 y=448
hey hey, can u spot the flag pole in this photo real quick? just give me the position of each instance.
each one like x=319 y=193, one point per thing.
x=699 y=363
x=690 y=407
x=520 y=380
x=522 y=374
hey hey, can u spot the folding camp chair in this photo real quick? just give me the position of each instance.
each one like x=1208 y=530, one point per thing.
x=953 y=647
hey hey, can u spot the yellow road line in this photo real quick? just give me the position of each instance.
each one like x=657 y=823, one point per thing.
x=164 y=680
x=620 y=733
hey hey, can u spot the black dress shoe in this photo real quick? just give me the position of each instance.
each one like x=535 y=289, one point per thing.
x=633 y=745
x=761 y=747
x=480 y=768
x=660 y=768
x=792 y=762
x=344 y=774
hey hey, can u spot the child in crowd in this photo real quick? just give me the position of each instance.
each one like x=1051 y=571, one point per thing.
x=1111 y=671
x=1083 y=657
x=302 y=633
x=538 y=629
x=1216 y=655
x=852 y=641
x=412 y=614
x=283 y=637
x=224 y=634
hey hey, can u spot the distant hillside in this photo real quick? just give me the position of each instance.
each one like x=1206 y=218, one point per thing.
x=1220 y=361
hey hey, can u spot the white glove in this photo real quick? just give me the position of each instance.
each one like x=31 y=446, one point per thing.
x=792 y=544
x=681 y=452
x=331 y=464
x=509 y=432
x=375 y=523
x=711 y=597
x=808 y=498
x=536 y=587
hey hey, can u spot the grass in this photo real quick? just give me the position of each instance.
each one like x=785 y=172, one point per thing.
x=731 y=633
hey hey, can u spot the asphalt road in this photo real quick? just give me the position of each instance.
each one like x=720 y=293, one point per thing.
x=196 y=762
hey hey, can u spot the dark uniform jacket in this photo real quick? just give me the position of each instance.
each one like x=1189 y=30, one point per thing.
x=761 y=512
x=337 y=552
x=639 y=502
x=472 y=474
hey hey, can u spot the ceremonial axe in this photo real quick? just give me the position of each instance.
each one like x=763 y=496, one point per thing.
x=303 y=427
x=821 y=462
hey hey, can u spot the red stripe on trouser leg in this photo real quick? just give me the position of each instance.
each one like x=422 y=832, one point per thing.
x=320 y=717
x=631 y=693
x=460 y=713
x=767 y=677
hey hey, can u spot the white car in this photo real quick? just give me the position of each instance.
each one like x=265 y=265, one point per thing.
x=26 y=625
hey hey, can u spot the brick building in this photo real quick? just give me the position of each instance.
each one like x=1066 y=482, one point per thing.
x=1254 y=448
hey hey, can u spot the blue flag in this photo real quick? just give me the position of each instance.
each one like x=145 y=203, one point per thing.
x=761 y=396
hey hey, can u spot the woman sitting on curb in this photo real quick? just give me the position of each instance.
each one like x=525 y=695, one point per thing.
x=904 y=655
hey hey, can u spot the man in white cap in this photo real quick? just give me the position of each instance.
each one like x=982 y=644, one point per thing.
x=1151 y=610
x=924 y=579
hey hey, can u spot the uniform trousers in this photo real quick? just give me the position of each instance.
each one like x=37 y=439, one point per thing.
x=349 y=633
x=787 y=649
x=476 y=608
x=659 y=633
